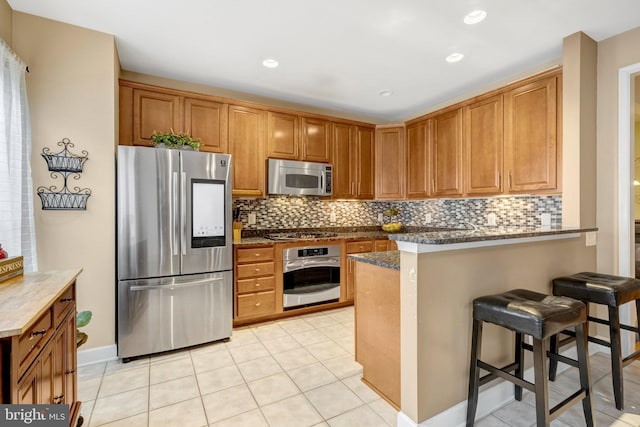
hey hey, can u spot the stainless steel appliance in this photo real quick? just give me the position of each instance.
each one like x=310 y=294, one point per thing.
x=300 y=178
x=311 y=274
x=174 y=249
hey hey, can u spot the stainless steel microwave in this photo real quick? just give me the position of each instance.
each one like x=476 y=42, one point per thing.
x=300 y=178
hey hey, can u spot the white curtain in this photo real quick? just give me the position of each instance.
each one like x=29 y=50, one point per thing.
x=17 y=229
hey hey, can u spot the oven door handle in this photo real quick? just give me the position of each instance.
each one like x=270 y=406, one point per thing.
x=311 y=262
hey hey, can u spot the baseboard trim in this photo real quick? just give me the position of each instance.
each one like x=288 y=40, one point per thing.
x=97 y=355
x=489 y=400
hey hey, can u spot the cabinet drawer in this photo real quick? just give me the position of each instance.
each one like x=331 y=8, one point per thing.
x=254 y=254
x=33 y=340
x=382 y=245
x=357 y=247
x=258 y=284
x=63 y=304
x=258 y=304
x=253 y=270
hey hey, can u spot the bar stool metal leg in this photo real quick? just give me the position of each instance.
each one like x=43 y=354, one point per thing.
x=519 y=359
x=474 y=372
x=616 y=356
x=585 y=374
x=540 y=368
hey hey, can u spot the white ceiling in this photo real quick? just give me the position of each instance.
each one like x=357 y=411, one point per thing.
x=339 y=55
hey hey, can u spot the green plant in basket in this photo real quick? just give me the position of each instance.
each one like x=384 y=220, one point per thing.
x=173 y=139
x=82 y=319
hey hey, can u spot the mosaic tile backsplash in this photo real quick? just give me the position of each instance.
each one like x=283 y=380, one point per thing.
x=312 y=212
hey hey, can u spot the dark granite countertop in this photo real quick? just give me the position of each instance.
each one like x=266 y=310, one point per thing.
x=256 y=237
x=390 y=259
x=483 y=234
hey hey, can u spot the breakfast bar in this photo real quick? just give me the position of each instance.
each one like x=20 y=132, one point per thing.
x=440 y=273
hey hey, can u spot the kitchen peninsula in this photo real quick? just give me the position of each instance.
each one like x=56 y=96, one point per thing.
x=440 y=273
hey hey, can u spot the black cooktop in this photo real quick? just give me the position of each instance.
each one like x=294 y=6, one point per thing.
x=301 y=235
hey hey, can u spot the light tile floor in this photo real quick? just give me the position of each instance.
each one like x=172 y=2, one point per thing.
x=295 y=372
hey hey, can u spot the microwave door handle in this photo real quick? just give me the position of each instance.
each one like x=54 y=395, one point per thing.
x=174 y=212
x=322 y=182
x=183 y=220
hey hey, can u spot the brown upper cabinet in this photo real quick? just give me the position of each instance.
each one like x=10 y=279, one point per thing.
x=316 y=140
x=390 y=163
x=283 y=136
x=247 y=132
x=531 y=140
x=153 y=111
x=344 y=151
x=207 y=120
x=446 y=152
x=298 y=138
x=353 y=157
x=417 y=144
x=143 y=112
x=363 y=163
x=483 y=145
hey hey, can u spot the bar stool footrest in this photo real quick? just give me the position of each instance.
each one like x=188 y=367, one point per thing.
x=566 y=404
x=495 y=372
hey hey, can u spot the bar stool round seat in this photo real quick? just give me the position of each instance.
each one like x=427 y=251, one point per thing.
x=612 y=291
x=540 y=316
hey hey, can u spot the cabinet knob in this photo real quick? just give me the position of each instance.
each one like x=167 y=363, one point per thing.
x=258 y=304
x=257 y=285
x=257 y=270
x=257 y=254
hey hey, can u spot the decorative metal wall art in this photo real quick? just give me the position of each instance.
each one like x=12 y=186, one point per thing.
x=65 y=164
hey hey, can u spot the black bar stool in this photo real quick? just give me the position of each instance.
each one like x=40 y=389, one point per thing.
x=612 y=291
x=541 y=316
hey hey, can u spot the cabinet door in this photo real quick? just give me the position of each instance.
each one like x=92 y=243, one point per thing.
x=246 y=145
x=446 y=169
x=70 y=360
x=390 y=163
x=344 y=175
x=351 y=278
x=28 y=389
x=530 y=136
x=282 y=136
x=316 y=140
x=483 y=144
x=154 y=111
x=59 y=365
x=207 y=120
x=418 y=160
x=47 y=375
x=365 y=163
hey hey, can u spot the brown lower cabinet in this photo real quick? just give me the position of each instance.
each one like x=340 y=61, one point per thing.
x=255 y=282
x=40 y=365
x=377 y=328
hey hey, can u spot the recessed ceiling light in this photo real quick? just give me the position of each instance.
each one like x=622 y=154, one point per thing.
x=475 y=17
x=270 y=63
x=385 y=93
x=454 y=57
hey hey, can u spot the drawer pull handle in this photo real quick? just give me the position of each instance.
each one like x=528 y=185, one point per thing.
x=73 y=371
x=258 y=304
x=66 y=299
x=257 y=285
x=257 y=254
x=257 y=270
x=36 y=333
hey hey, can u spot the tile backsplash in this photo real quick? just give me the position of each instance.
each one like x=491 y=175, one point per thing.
x=312 y=212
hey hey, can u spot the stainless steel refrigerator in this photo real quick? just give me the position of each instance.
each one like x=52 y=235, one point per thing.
x=174 y=249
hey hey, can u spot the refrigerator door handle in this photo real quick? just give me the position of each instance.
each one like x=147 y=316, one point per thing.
x=183 y=199
x=174 y=285
x=174 y=235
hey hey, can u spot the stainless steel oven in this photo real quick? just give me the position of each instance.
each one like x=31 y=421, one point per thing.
x=311 y=275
